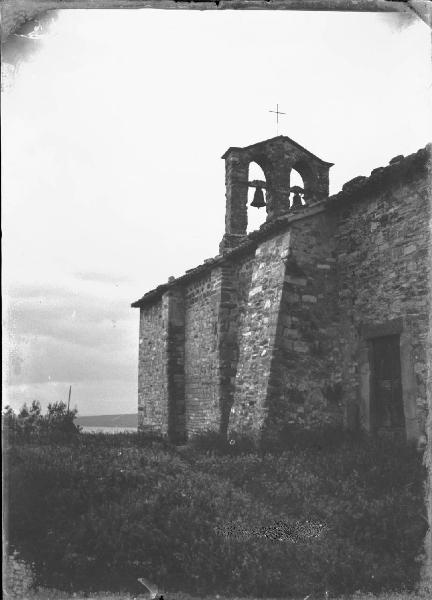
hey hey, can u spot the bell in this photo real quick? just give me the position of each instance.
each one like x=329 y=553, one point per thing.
x=258 y=199
x=297 y=202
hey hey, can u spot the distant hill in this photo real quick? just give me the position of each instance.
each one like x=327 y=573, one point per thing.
x=108 y=421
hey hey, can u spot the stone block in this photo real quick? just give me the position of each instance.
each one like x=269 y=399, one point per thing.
x=309 y=298
x=409 y=249
x=300 y=281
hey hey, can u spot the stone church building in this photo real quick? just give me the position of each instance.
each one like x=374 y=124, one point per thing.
x=320 y=316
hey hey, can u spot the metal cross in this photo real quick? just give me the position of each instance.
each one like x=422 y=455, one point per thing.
x=277 y=112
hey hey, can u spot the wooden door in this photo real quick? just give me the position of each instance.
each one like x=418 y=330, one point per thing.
x=387 y=385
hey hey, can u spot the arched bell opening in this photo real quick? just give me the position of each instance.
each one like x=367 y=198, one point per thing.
x=308 y=177
x=297 y=190
x=257 y=200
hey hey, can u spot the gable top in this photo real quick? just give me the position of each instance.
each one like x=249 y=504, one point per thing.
x=280 y=138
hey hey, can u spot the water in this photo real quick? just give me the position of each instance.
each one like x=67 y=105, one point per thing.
x=96 y=429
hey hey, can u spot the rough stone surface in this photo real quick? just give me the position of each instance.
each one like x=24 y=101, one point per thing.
x=382 y=253
x=18 y=577
x=256 y=336
x=202 y=300
x=152 y=374
x=427 y=565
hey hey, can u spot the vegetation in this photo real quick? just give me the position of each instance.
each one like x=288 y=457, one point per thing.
x=97 y=511
x=30 y=425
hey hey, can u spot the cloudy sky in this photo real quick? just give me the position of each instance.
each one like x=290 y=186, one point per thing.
x=112 y=178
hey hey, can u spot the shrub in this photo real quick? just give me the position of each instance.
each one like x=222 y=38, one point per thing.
x=30 y=425
x=96 y=517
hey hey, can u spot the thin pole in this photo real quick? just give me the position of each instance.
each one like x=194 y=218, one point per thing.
x=70 y=391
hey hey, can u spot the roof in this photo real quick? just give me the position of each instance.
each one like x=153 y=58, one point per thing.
x=399 y=167
x=279 y=137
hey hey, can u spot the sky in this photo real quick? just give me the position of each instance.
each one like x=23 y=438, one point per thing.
x=112 y=178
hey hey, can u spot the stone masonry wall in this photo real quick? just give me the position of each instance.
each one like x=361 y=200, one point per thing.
x=306 y=379
x=152 y=371
x=382 y=250
x=18 y=577
x=427 y=458
x=175 y=335
x=287 y=370
x=202 y=298
x=235 y=284
x=256 y=335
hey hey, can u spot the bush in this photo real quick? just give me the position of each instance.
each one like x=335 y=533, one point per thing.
x=102 y=518
x=29 y=425
x=96 y=517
